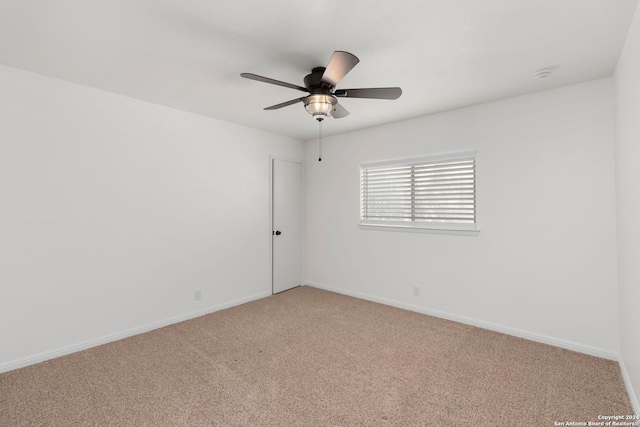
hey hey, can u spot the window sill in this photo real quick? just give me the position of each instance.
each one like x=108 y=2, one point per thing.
x=406 y=228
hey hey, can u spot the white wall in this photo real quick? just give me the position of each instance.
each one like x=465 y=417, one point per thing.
x=113 y=210
x=544 y=263
x=627 y=129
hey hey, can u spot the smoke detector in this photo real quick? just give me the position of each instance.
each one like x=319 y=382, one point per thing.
x=542 y=74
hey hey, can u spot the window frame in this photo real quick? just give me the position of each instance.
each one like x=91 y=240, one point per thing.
x=439 y=227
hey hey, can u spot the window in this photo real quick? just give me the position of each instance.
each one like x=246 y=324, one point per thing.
x=437 y=192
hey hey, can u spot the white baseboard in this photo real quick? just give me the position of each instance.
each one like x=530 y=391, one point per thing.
x=627 y=383
x=569 y=345
x=51 y=354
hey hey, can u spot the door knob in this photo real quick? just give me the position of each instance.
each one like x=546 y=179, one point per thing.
x=278 y=233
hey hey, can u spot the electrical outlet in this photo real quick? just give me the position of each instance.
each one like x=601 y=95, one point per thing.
x=416 y=291
x=197 y=295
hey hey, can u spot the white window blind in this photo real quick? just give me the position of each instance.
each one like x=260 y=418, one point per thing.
x=428 y=192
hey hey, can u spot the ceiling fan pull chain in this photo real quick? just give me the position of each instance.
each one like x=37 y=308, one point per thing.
x=319 y=140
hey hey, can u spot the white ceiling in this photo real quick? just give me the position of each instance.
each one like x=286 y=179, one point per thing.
x=188 y=54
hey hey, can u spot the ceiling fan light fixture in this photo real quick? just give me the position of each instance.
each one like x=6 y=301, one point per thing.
x=320 y=106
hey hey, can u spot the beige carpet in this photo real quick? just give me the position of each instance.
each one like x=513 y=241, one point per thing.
x=308 y=357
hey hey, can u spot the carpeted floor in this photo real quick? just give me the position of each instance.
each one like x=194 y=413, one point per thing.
x=309 y=357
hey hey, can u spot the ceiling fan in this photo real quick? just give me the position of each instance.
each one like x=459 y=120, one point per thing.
x=322 y=100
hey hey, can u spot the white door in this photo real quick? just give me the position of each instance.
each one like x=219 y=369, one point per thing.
x=286 y=224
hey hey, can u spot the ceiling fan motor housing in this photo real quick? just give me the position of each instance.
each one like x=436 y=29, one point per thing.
x=313 y=82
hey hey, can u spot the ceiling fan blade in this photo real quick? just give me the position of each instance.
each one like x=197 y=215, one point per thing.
x=339 y=111
x=272 y=81
x=285 y=104
x=373 y=93
x=339 y=65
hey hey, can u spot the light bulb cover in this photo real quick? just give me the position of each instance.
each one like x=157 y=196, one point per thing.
x=320 y=105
